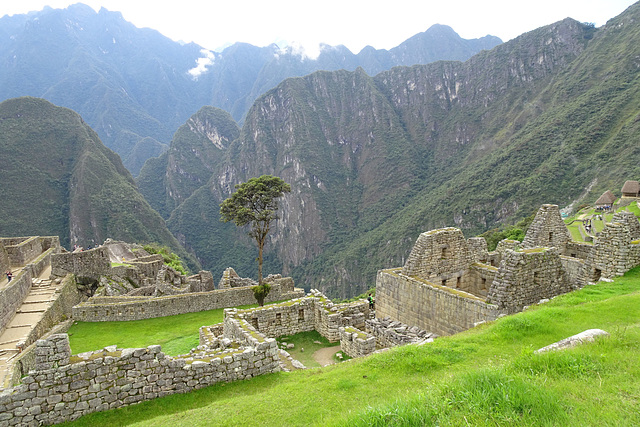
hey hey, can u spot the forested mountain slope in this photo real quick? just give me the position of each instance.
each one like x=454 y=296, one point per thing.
x=59 y=179
x=374 y=161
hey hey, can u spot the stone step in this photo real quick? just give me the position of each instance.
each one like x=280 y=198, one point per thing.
x=21 y=311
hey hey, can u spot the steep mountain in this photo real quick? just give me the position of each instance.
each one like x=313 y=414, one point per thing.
x=374 y=161
x=135 y=87
x=196 y=152
x=59 y=179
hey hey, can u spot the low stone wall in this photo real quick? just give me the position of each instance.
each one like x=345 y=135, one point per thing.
x=574 y=268
x=478 y=279
x=92 y=263
x=283 y=319
x=428 y=306
x=355 y=342
x=59 y=391
x=26 y=360
x=136 y=308
x=306 y=314
x=12 y=295
x=391 y=333
x=40 y=264
x=578 y=250
x=5 y=263
x=23 y=249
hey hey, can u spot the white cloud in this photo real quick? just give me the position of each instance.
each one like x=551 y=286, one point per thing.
x=202 y=63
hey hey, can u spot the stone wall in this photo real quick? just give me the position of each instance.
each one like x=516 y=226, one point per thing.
x=391 y=333
x=525 y=277
x=305 y=314
x=59 y=391
x=547 y=230
x=355 y=342
x=427 y=305
x=12 y=295
x=5 y=263
x=478 y=279
x=478 y=250
x=136 y=308
x=24 y=250
x=438 y=253
x=574 y=267
x=615 y=251
x=92 y=263
x=578 y=250
x=201 y=282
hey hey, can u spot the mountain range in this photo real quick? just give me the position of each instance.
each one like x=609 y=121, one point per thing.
x=135 y=87
x=552 y=116
x=375 y=160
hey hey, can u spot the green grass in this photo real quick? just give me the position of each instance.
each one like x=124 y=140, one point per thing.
x=309 y=341
x=176 y=334
x=485 y=376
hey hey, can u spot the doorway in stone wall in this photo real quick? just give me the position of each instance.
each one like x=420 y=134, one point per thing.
x=597 y=273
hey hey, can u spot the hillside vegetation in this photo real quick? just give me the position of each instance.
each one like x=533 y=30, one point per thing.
x=59 y=179
x=374 y=161
x=488 y=375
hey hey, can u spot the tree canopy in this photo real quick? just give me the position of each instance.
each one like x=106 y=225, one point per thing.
x=255 y=203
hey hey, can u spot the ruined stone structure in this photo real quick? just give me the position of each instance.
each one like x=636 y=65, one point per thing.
x=61 y=387
x=101 y=309
x=449 y=284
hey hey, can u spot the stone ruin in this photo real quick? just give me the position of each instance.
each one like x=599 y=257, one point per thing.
x=450 y=284
x=122 y=269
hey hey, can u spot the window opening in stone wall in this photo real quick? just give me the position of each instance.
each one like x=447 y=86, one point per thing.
x=458 y=282
x=483 y=285
x=444 y=282
x=550 y=236
x=254 y=323
x=536 y=277
x=301 y=315
x=446 y=253
x=573 y=256
x=278 y=319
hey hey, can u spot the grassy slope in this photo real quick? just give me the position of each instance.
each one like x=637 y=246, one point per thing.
x=484 y=376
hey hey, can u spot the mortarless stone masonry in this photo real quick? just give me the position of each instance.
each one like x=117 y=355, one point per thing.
x=449 y=284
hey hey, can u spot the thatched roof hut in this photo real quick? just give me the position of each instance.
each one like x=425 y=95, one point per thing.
x=631 y=189
x=606 y=199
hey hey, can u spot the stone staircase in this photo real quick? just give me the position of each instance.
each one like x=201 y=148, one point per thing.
x=40 y=297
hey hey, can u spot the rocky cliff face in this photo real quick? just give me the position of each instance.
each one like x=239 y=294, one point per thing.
x=374 y=161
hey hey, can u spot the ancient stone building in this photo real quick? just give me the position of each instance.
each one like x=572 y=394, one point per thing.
x=448 y=284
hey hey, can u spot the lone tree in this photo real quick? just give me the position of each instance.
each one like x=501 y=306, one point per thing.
x=255 y=202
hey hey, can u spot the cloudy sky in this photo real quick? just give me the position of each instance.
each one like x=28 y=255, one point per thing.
x=353 y=23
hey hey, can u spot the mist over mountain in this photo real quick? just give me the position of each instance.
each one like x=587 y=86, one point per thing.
x=135 y=87
x=375 y=160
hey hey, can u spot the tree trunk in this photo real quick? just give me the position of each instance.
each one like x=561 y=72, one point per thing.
x=260 y=246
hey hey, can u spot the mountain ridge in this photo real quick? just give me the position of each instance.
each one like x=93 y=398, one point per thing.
x=134 y=86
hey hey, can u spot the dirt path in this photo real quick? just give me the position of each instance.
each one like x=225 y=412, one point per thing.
x=324 y=356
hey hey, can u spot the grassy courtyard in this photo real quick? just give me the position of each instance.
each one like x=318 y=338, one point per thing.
x=485 y=376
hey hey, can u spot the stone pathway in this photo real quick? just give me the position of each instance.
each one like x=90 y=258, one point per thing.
x=40 y=296
x=324 y=356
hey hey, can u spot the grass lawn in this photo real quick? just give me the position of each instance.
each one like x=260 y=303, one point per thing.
x=176 y=334
x=488 y=375
x=309 y=342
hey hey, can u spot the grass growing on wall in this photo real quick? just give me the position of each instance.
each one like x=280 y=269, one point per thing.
x=485 y=376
